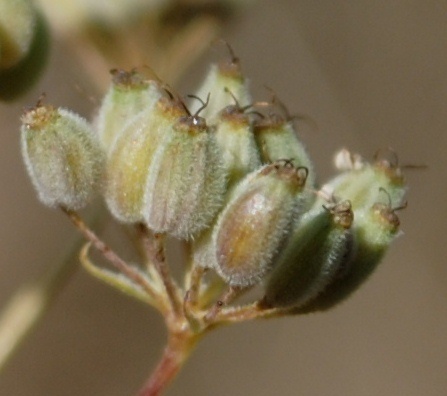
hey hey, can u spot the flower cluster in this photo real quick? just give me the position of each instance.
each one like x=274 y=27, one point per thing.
x=232 y=179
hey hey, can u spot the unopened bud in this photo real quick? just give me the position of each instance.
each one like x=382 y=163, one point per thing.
x=129 y=94
x=320 y=243
x=256 y=222
x=131 y=157
x=186 y=182
x=63 y=160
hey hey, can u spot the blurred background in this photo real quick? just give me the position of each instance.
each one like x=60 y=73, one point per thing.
x=372 y=75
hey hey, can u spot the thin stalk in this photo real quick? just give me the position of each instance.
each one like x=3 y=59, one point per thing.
x=226 y=298
x=246 y=312
x=155 y=250
x=111 y=256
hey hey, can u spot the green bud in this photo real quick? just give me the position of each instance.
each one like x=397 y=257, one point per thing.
x=62 y=158
x=234 y=135
x=277 y=139
x=130 y=158
x=186 y=182
x=320 y=243
x=129 y=94
x=17 y=79
x=256 y=222
x=374 y=231
x=221 y=79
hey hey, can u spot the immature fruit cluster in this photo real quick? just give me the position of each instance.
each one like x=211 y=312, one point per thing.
x=237 y=184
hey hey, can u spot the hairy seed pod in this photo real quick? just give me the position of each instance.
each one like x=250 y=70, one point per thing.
x=131 y=157
x=321 y=241
x=277 y=139
x=234 y=135
x=221 y=79
x=374 y=231
x=240 y=156
x=185 y=182
x=256 y=222
x=129 y=94
x=62 y=158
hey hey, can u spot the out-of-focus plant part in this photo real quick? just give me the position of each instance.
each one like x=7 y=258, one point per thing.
x=168 y=35
x=247 y=219
x=17 y=22
x=24 y=44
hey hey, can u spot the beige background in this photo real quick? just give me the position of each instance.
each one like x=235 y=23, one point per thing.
x=372 y=74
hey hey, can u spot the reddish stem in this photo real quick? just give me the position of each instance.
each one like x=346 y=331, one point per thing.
x=175 y=354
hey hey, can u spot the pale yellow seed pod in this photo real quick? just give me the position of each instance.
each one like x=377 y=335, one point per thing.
x=256 y=222
x=62 y=157
x=132 y=155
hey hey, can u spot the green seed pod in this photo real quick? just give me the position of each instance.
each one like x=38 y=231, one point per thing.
x=17 y=29
x=256 y=222
x=362 y=183
x=234 y=135
x=130 y=158
x=277 y=139
x=374 y=231
x=320 y=243
x=129 y=94
x=185 y=182
x=62 y=158
x=222 y=77
x=17 y=79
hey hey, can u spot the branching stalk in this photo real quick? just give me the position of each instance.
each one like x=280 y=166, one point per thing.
x=110 y=255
